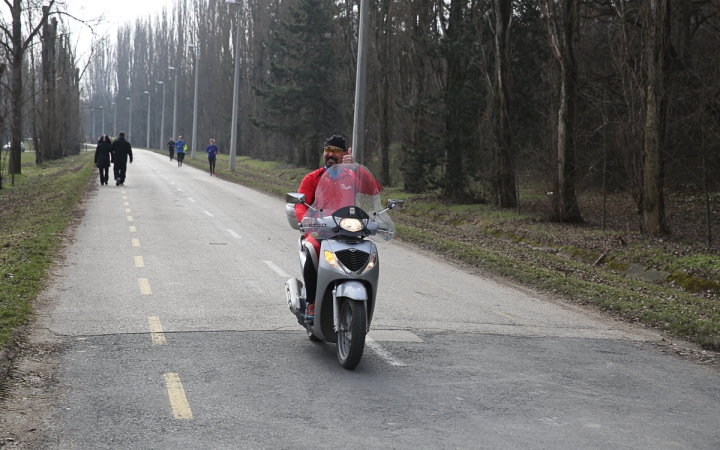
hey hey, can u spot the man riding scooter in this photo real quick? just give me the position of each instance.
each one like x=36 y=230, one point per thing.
x=334 y=153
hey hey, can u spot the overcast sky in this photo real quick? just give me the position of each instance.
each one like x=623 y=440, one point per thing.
x=116 y=12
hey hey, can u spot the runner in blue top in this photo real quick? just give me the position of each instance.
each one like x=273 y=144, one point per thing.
x=180 y=150
x=212 y=153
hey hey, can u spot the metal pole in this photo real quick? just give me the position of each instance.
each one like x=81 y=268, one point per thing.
x=93 y=136
x=194 y=135
x=358 y=142
x=236 y=94
x=174 y=136
x=102 y=128
x=130 y=124
x=115 y=121
x=147 y=142
x=162 y=120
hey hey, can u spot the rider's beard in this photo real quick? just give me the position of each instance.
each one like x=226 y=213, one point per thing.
x=331 y=160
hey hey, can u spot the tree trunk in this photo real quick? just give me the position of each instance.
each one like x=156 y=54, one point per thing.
x=14 y=165
x=503 y=173
x=657 y=42
x=562 y=29
x=385 y=94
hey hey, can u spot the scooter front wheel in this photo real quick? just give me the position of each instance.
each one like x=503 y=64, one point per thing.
x=351 y=335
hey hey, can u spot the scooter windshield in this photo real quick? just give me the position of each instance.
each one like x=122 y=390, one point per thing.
x=347 y=185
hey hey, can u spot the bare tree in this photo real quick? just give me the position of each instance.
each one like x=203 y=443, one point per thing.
x=562 y=23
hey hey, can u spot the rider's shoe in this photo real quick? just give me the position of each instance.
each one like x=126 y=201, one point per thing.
x=310 y=314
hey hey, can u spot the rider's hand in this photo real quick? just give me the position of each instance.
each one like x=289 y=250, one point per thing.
x=348 y=159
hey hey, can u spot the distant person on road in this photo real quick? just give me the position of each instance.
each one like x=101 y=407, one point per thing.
x=180 y=150
x=212 y=151
x=102 y=158
x=171 y=148
x=121 y=149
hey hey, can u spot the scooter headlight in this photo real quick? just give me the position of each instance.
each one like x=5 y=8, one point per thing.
x=351 y=225
x=330 y=258
x=371 y=263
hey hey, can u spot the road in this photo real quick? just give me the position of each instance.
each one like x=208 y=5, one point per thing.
x=174 y=333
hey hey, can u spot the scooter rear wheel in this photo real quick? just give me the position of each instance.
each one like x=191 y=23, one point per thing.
x=351 y=335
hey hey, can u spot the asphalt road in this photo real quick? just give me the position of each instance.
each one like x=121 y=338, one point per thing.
x=171 y=311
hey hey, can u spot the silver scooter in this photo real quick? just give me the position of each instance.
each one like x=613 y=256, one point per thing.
x=343 y=280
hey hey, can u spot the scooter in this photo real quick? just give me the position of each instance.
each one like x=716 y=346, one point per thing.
x=345 y=218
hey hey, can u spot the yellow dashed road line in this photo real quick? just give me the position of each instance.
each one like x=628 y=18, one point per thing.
x=156 y=331
x=127 y=210
x=132 y=229
x=130 y=219
x=124 y=197
x=178 y=400
x=136 y=242
x=127 y=204
x=144 y=286
x=139 y=261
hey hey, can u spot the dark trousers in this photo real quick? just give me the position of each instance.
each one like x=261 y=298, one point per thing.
x=104 y=174
x=119 y=171
x=212 y=164
x=172 y=152
x=180 y=156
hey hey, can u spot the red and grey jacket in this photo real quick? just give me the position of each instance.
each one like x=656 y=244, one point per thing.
x=309 y=185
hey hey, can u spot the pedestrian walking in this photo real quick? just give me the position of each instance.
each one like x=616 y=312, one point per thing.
x=180 y=150
x=212 y=151
x=171 y=148
x=102 y=158
x=121 y=149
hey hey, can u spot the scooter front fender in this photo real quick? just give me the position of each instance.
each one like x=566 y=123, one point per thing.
x=352 y=289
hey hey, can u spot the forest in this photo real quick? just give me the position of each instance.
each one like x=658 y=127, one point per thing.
x=479 y=101
x=40 y=91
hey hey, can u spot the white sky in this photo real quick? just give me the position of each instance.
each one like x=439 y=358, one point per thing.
x=116 y=12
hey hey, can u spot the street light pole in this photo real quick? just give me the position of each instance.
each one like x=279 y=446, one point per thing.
x=358 y=142
x=130 y=120
x=195 y=106
x=174 y=136
x=147 y=142
x=115 y=121
x=102 y=127
x=162 y=120
x=93 y=136
x=236 y=90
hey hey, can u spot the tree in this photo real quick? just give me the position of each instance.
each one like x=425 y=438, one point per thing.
x=562 y=26
x=302 y=98
x=17 y=48
x=503 y=176
x=656 y=39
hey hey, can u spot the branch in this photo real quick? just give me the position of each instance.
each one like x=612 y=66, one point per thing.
x=34 y=32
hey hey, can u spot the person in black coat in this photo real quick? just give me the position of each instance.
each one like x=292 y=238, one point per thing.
x=171 y=148
x=102 y=158
x=121 y=149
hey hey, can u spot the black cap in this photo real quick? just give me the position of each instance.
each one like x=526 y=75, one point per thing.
x=336 y=141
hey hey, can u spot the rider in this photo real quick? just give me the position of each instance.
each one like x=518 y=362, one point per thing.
x=334 y=151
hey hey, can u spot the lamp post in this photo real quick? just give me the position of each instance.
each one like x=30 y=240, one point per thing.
x=236 y=89
x=130 y=120
x=115 y=120
x=93 y=136
x=195 y=106
x=358 y=142
x=162 y=119
x=147 y=142
x=102 y=127
x=174 y=104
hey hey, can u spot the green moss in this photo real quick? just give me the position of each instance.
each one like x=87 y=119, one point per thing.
x=692 y=283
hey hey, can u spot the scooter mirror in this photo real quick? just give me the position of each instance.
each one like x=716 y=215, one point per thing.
x=394 y=204
x=295 y=198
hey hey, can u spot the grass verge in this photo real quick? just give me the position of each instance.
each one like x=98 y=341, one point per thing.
x=34 y=214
